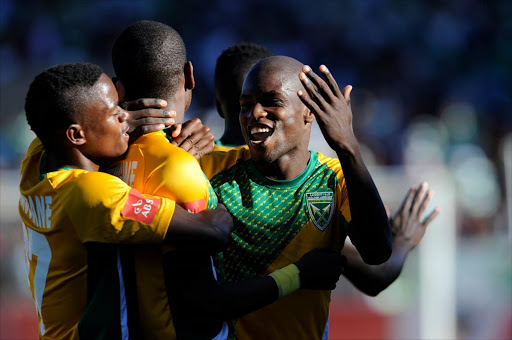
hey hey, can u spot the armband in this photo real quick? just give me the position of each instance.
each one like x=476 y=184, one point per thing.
x=287 y=279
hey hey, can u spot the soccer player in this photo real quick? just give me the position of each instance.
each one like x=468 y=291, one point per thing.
x=69 y=208
x=230 y=70
x=408 y=227
x=199 y=304
x=286 y=200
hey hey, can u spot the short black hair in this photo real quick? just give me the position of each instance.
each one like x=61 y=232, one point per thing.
x=149 y=57
x=48 y=106
x=230 y=71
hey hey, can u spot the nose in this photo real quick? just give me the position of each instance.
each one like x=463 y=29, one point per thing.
x=123 y=116
x=258 y=111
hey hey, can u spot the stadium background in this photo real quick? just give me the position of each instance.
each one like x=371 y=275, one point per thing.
x=431 y=101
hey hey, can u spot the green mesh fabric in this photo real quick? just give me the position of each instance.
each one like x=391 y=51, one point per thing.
x=212 y=196
x=267 y=214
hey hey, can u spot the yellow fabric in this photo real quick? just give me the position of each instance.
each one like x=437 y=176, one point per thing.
x=59 y=214
x=219 y=160
x=287 y=279
x=154 y=166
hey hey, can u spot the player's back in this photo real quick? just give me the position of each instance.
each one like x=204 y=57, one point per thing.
x=154 y=166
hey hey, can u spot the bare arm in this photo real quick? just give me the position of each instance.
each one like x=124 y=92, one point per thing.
x=408 y=230
x=369 y=228
x=206 y=231
x=203 y=300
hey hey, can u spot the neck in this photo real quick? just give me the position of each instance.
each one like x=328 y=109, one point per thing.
x=232 y=135
x=285 y=168
x=57 y=159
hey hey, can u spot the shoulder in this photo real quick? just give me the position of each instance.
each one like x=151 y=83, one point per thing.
x=218 y=161
x=94 y=184
x=330 y=163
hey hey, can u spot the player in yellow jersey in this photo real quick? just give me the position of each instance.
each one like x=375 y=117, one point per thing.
x=69 y=208
x=199 y=304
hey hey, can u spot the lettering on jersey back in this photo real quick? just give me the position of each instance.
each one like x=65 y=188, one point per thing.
x=125 y=171
x=140 y=208
x=38 y=209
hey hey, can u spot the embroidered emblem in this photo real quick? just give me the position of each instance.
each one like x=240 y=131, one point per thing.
x=320 y=208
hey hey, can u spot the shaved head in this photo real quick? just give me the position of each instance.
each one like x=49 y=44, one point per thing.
x=281 y=69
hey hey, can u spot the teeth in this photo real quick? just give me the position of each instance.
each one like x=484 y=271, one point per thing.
x=259 y=130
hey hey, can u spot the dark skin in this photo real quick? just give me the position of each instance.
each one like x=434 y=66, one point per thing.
x=99 y=134
x=276 y=116
x=150 y=115
x=408 y=226
x=405 y=227
x=202 y=300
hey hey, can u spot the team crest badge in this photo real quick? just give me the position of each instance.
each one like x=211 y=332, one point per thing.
x=320 y=208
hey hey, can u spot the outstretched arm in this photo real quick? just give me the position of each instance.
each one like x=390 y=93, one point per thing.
x=202 y=299
x=369 y=228
x=408 y=229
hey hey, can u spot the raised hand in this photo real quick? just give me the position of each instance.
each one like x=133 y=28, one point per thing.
x=407 y=224
x=193 y=137
x=147 y=115
x=331 y=108
x=320 y=269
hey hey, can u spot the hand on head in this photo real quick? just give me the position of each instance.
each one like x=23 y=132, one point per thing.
x=147 y=115
x=330 y=106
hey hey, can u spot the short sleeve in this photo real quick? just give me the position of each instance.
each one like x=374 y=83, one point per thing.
x=103 y=208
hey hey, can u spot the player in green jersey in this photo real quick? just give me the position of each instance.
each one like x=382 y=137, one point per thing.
x=286 y=200
x=407 y=223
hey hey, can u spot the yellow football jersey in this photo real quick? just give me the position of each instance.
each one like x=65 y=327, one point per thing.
x=156 y=167
x=60 y=213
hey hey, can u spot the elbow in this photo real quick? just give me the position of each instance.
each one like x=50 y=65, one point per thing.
x=376 y=256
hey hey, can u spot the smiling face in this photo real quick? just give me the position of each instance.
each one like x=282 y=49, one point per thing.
x=102 y=122
x=274 y=121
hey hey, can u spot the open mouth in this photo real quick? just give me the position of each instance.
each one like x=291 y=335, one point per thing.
x=259 y=133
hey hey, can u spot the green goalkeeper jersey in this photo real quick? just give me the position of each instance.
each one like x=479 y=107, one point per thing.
x=276 y=223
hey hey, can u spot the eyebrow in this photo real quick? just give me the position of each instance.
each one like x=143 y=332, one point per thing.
x=268 y=94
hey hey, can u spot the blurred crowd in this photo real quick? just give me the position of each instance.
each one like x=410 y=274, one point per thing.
x=432 y=79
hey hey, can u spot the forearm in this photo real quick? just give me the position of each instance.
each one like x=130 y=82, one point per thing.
x=196 y=293
x=370 y=231
x=208 y=230
x=373 y=279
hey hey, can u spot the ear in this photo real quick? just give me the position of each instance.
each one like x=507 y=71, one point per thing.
x=309 y=117
x=219 y=108
x=121 y=90
x=75 y=134
x=190 y=82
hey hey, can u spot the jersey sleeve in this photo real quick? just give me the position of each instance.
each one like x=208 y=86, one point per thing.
x=178 y=176
x=104 y=209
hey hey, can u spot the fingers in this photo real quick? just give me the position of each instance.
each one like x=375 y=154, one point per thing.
x=331 y=82
x=418 y=198
x=316 y=87
x=144 y=103
x=424 y=203
x=346 y=94
x=406 y=203
x=433 y=214
x=194 y=137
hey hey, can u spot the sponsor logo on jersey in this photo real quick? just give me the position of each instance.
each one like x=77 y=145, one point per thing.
x=320 y=208
x=140 y=208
